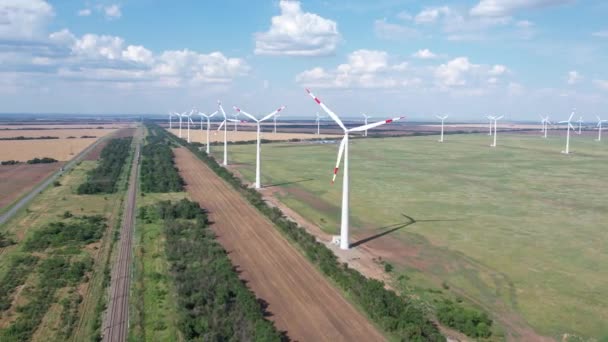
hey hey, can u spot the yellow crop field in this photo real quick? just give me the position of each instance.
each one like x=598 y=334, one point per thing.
x=215 y=136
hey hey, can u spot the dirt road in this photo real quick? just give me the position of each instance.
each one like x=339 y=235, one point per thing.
x=116 y=322
x=301 y=300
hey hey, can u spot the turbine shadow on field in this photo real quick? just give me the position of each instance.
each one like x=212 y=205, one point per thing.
x=289 y=182
x=392 y=228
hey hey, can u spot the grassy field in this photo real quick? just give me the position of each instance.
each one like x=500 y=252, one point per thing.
x=518 y=229
x=153 y=298
x=47 y=207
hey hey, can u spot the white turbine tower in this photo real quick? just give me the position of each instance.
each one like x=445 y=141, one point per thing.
x=580 y=124
x=179 y=116
x=275 y=123
x=208 y=125
x=442 y=118
x=365 y=117
x=568 y=133
x=545 y=122
x=599 y=128
x=490 y=118
x=236 y=122
x=344 y=150
x=258 y=150
x=318 y=120
x=170 y=120
x=495 y=124
x=225 y=125
x=188 y=123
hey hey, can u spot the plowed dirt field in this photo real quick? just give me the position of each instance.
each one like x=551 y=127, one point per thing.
x=301 y=300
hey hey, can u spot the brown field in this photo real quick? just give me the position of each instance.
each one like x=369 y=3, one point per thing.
x=215 y=136
x=64 y=126
x=60 y=133
x=60 y=149
x=301 y=300
x=17 y=180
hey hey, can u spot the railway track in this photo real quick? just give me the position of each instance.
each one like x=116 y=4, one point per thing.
x=116 y=322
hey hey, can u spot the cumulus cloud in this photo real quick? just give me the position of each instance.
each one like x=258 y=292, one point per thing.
x=364 y=69
x=430 y=15
x=24 y=19
x=112 y=12
x=460 y=72
x=503 y=8
x=298 y=33
x=36 y=54
x=574 y=77
x=424 y=54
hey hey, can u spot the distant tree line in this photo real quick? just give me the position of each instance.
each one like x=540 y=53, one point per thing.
x=21 y=137
x=104 y=178
x=394 y=314
x=213 y=303
x=158 y=172
x=43 y=160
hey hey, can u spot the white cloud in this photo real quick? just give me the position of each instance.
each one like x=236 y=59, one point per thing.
x=503 y=8
x=298 y=33
x=574 y=77
x=497 y=70
x=602 y=84
x=454 y=72
x=601 y=34
x=84 y=12
x=365 y=69
x=524 y=24
x=460 y=72
x=430 y=15
x=424 y=54
x=112 y=12
x=515 y=89
x=404 y=15
x=385 y=30
x=24 y=19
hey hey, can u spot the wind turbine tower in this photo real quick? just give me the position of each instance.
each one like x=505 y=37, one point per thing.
x=568 y=133
x=343 y=150
x=258 y=161
x=442 y=118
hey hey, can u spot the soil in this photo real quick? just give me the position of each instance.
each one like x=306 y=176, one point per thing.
x=17 y=180
x=302 y=302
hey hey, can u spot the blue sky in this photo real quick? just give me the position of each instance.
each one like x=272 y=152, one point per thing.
x=518 y=58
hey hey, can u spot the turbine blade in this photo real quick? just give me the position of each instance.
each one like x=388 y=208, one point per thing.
x=327 y=110
x=213 y=114
x=340 y=152
x=276 y=112
x=245 y=113
x=221 y=125
x=375 y=124
x=219 y=104
x=571 y=115
x=500 y=117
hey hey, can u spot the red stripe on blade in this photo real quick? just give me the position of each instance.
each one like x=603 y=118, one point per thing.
x=335 y=171
x=318 y=101
x=389 y=121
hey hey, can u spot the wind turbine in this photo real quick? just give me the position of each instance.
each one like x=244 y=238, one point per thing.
x=366 y=117
x=258 y=150
x=236 y=122
x=170 y=121
x=318 y=120
x=599 y=128
x=568 y=133
x=344 y=150
x=442 y=118
x=188 y=122
x=495 y=124
x=225 y=125
x=208 y=125
x=545 y=122
x=180 y=122
x=490 y=118
x=580 y=124
x=275 y=123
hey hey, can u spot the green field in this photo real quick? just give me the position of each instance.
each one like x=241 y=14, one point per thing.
x=518 y=229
